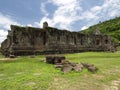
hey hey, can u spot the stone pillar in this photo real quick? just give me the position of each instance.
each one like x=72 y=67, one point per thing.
x=45 y=25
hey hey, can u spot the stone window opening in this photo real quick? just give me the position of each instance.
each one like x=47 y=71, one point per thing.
x=106 y=41
x=97 y=42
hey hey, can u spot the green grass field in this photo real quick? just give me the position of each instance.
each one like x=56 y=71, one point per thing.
x=25 y=73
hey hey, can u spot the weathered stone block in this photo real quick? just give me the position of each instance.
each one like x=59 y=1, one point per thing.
x=92 y=69
x=52 y=59
x=12 y=56
x=66 y=68
x=87 y=65
x=78 y=67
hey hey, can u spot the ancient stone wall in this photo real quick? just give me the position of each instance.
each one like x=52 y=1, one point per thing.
x=29 y=40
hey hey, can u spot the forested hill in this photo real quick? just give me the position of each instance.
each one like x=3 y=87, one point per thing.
x=110 y=27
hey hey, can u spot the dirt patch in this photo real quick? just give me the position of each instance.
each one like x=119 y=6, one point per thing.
x=113 y=88
x=4 y=59
x=112 y=71
x=8 y=59
x=65 y=84
x=1 y=75
x=30 y=84
x=98 y=76
x=58 y=84
x=19 y=73
x=114 y=85
x=36 y=74
x=106 y=87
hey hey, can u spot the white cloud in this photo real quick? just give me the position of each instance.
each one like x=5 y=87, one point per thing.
x=30 y=25
x=69 y=12
x=84 y=27
x=42 y=8
x=113 y=13
x=3 y=35
x=62 y=2
x=96 y=8
x=40 y=24
x=65 y=15
x=5 y=22
x=87 y=15
x=109 y=9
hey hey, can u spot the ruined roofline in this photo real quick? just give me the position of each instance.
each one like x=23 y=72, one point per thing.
x=50 y=28
x=36 y=28
x=18 y=26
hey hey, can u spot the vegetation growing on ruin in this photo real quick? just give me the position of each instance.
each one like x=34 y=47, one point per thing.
x=110 y=27
x=26 y=73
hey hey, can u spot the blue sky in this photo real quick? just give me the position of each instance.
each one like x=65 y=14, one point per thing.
x=73 y=15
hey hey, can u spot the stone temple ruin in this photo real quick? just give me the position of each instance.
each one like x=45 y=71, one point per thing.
x=49 y=40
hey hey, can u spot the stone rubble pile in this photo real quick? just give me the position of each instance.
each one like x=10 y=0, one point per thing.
x=67 y=66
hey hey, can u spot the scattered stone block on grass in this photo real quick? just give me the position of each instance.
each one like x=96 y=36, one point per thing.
x=58 y=66
x=86 y=65
x=52 y=59
x=12 y=56
x=78 y=67
x=67 y=66
x=92 y=69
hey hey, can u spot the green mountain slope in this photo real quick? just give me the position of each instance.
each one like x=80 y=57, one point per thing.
x=110 y=27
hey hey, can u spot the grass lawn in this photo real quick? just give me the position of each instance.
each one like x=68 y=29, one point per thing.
x=25 y=73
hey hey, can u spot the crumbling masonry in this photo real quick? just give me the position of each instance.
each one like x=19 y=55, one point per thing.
x=49 y=40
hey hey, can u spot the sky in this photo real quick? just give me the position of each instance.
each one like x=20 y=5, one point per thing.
x=73 y=15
